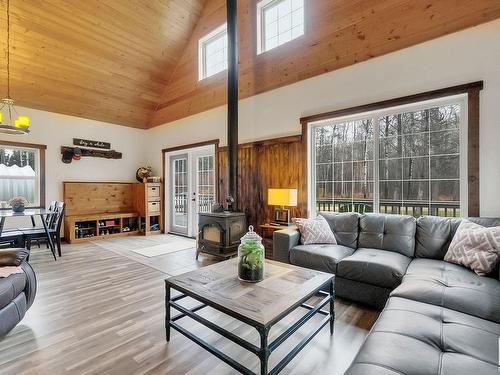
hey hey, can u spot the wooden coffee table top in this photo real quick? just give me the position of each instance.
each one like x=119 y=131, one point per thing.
x=284 y=286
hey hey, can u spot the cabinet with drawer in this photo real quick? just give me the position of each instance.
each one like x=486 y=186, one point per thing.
x=148 y=202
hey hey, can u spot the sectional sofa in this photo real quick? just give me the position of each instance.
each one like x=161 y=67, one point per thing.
x=437 y=317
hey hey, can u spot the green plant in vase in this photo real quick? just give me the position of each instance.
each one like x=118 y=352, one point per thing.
x=251 y=258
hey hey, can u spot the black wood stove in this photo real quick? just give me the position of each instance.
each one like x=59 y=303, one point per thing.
x=219 y=233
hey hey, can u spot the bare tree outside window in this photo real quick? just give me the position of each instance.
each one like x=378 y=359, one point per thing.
x=418 y=163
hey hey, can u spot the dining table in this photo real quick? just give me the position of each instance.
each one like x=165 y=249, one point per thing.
x=32 y=214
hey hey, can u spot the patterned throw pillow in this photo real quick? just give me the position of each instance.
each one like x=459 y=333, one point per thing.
x=314 y=231
x=475 y=247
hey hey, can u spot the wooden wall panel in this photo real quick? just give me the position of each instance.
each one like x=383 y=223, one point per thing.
x=338 y=33
x=84 y=198
x=271 y=164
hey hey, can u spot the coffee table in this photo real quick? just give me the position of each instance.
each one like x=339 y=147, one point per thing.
x=260 y=305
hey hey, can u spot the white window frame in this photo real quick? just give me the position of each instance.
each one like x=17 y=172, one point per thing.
x=37 y=178
x=202 y=48
x=461 y=99
x=261 y=27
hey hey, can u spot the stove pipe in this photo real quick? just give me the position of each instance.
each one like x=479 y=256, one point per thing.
x=232 y=103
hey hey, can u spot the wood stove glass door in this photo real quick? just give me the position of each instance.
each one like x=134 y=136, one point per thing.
x=179 y=194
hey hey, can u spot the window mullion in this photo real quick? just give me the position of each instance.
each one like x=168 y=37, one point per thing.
x=376 y=168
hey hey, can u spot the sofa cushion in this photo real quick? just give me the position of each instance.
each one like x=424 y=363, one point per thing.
x=319 y=257
x=475 y=247
x=388 y=232
x=416 y=338
x=345 y=226
x=434 y=234
x=452 y=286
x=11 y=287
x=314 y=231
x=373 y=266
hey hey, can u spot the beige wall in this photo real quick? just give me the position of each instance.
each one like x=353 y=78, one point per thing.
x=459 y=58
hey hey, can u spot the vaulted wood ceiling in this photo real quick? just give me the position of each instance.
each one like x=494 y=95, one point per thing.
x=134 y=62
x=108 y=60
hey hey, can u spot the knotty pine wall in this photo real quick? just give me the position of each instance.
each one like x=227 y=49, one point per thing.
x=276 y=163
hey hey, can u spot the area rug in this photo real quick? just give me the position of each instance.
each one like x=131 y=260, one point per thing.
x=151 y=246
x=171 y=247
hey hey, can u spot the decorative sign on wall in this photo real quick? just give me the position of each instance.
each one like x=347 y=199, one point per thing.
x=90 y=143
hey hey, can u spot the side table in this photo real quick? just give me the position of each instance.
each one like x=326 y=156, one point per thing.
x=267 y=236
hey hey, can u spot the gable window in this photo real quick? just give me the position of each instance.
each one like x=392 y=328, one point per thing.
x=278 y=22
x=212 y=52
x=22 y=172
x=410 y=159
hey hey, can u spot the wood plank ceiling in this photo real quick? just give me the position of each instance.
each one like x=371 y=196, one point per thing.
x=107 y=60
x=134 y=62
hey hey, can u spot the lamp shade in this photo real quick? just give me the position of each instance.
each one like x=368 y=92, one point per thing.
x=282 y=197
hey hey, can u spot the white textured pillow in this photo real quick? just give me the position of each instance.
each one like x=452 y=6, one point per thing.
x=314 y=231
x=475 y=247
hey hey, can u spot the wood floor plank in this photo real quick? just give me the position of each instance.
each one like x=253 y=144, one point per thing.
x=101 y=311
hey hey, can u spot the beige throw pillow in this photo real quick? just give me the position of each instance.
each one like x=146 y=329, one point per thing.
x=475 y=247
x=315 y=231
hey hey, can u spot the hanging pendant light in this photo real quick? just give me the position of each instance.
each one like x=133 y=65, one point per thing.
x=10 y=121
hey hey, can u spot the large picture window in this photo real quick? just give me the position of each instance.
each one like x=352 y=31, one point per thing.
x=403 y=160
x=21 y=173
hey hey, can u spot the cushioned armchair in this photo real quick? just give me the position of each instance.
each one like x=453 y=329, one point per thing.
x=17 y=291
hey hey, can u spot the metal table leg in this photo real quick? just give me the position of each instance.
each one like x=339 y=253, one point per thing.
x=332 y=307
x=167 y=311
x=264 y=350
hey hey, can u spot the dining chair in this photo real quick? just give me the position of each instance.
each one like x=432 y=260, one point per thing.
x=54 y=221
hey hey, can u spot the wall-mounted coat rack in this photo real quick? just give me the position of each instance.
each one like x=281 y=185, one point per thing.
x=74 y=153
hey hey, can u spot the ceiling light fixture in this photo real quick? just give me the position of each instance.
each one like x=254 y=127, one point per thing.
x=10 y=121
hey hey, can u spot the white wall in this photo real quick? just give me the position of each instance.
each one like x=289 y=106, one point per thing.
x=56 y=130
x=459 y=58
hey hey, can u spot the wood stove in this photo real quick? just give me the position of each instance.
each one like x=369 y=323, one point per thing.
x=220 y=232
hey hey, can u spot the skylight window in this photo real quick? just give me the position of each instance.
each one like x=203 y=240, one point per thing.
x=278 y=22
x=213 y=53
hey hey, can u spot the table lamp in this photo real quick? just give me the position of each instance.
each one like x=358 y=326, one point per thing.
x=283 y=198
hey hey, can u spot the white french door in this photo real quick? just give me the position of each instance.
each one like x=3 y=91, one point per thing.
x=190 y=188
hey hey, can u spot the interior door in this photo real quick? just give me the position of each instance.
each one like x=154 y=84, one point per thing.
x=179 y=194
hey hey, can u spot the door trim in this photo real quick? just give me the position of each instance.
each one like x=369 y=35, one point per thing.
x=186 y=147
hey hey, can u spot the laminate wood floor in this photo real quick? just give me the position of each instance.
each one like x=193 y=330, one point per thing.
x=99 y=311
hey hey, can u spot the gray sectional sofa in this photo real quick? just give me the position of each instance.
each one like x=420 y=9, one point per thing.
x=437 y=318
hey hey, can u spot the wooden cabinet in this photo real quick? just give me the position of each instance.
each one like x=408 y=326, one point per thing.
x=97 y=210
x=81 y=228
x=149 y=207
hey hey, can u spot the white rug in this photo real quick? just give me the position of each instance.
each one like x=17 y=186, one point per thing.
x=151 y=246
x=167 y=248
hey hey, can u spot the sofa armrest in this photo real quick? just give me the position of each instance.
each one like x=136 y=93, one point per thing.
x=283 y=241
x=31 y=283
x=12 y=256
